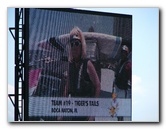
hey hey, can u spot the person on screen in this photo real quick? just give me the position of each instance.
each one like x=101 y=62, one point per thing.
x=82 y=80
x=122 y=83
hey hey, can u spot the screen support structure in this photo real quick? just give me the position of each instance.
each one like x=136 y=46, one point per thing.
x=19 y=39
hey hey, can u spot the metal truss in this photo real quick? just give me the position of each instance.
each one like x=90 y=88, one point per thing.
x=17 y=33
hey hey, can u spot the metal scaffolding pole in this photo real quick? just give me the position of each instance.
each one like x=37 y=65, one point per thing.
x=19 y=64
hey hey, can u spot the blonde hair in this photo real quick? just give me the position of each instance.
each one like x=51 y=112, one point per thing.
x=78 y=32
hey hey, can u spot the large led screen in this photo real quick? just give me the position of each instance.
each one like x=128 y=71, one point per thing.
x=79 y=65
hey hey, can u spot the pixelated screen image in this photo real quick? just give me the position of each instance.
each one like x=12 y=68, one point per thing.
x=80 y=65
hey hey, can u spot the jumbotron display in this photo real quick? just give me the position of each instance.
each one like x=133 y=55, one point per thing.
x=80 y=65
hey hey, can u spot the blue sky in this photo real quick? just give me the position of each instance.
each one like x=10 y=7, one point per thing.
x=145 y=67
x=11 y=23
x=10 y=63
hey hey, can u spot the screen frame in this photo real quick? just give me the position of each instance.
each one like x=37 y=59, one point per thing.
x=26 y=56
